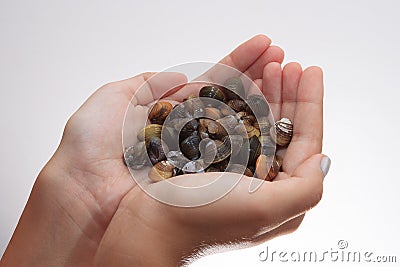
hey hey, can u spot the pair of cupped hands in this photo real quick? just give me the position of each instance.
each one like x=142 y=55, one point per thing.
x=86 y=210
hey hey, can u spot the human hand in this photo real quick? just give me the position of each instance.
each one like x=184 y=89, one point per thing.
x=80 y=189
x=169 y=235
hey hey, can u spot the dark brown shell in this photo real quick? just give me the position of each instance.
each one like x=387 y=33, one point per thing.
x=212 y=92
x=237 y=105
x=190 y=147
x=159 y=112
x=156 y=150
x=216 y=151
x=234 y=88
x=254 y=150
x=283 y=132
x=190 y=128
x=257 y=106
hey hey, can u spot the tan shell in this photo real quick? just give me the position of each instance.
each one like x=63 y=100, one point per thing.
x=252 y=131
x=151 y=130
x=212 y=113
x=284 y=132
x=161 y=171
x=267 y=167
x=159 y=112
x=216 y=129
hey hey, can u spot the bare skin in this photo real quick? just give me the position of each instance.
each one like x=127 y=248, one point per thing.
x=86 y=210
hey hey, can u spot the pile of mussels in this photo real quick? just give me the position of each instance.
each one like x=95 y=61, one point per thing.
x=217 y=131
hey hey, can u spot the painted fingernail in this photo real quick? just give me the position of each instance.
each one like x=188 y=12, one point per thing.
x=325 y=165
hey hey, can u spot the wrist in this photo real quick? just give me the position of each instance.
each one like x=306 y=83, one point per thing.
x=142 y=235
x=51 y=229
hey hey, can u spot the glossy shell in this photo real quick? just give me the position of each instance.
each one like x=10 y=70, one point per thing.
x=254 y=150
x=216 y=151
x=156 y=149
x=161 y=171
x=190 y=147
x=284 y=132
x=212 y=92
x=159 y=112
x=267 y=167
x=216 y=130
x=237 y=105
x=234 y=88
x=151 y=130
x=190 y=128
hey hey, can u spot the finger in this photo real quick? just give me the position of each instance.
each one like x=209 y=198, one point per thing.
x=291 y=75
x=147 y=87
x=246 y=54
x=140 y=91
x=273 y=204
x=272 y=87
x=238 y=61
x=308 y=121
x=272 y=54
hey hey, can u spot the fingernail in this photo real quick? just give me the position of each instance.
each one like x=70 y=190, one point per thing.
x=325 y=165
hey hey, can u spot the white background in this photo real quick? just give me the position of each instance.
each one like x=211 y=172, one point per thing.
x=54 y=54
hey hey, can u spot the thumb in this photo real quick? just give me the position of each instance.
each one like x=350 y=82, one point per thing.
x=309 y=177
x=294 y=195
